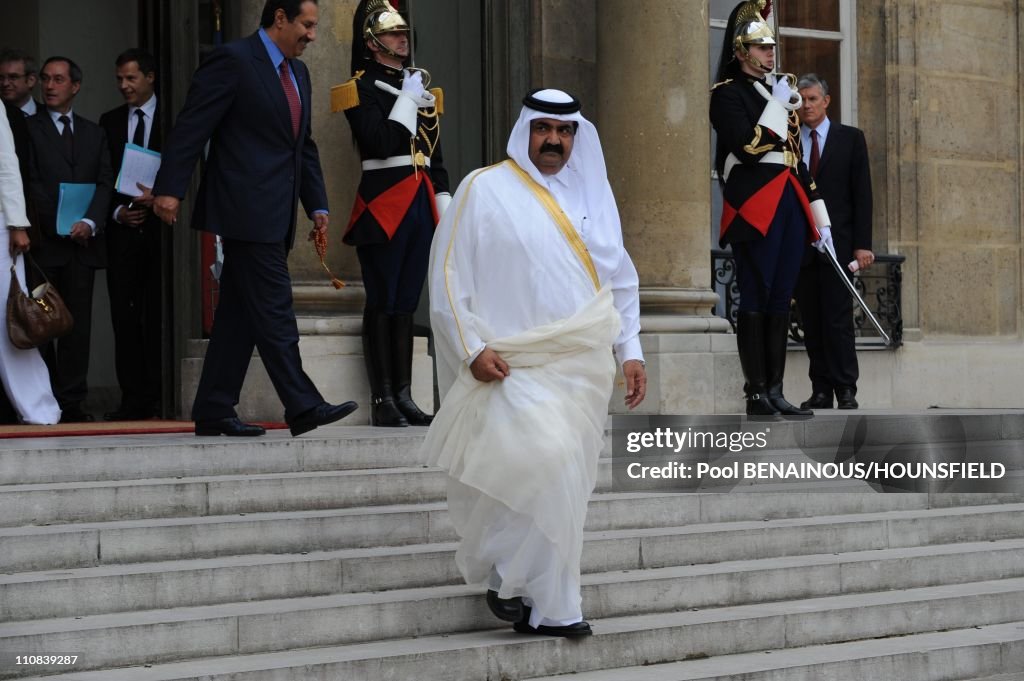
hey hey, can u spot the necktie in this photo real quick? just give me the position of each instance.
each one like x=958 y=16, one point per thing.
x=65 y=135
x=292 y=96
x=815 y=153
x=139 y=138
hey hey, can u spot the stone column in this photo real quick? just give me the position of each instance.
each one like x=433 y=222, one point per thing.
x=653 y=117
x=954 y=170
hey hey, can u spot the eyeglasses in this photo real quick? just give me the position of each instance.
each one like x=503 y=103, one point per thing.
x=14 y=77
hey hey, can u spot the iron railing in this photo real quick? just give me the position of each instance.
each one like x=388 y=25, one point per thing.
x=880 y=287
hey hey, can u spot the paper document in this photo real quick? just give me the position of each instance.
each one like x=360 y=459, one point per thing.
x=138 y=166
x=72 y=205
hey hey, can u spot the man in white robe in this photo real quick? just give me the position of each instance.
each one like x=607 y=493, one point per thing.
x=531 y=293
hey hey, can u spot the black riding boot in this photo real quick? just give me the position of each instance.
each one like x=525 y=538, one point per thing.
x=750 y=343
x=377 y=352
x=776 y=340
x=401 y=341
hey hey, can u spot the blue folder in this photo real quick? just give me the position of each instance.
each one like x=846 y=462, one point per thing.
x=72 y=205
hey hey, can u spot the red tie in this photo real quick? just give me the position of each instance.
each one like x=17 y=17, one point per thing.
x=292 y=96
x=815 y=153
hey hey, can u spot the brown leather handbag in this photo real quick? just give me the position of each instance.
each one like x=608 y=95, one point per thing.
x=36 y=318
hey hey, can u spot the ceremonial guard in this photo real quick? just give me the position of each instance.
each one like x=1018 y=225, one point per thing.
x=771 y=207
x=395 y=121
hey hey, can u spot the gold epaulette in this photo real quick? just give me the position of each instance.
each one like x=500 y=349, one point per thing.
x=438 y=99
x=727 y=80
x=346 y=95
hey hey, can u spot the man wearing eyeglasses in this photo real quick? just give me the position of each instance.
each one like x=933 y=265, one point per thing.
x=17 y=79
x=67 y=148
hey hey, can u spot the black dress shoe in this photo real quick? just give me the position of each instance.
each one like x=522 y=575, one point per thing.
x=845 y=398
x=232 y=427
x=128 y=414
x=74 y=414
x=507 y=609
x=321 y=415
x=569 y=631
x=819 y=400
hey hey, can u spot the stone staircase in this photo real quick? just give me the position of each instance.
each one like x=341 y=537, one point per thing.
x=330 y=557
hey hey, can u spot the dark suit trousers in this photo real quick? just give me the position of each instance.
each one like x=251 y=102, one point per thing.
x=826 y=309
x=67 y=357
x=133 y=280
x=255 y=310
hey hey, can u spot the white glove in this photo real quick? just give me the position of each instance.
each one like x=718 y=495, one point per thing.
x=825 y=242
x=781 y=90
x=412 y=85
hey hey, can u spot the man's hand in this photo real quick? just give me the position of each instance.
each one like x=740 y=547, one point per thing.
x=133 y=217
x=19 y=241
x=166 y=208
x=320 y=222
x=81 y=232
x=781 y=90
x=636 y=382
x=864 y=257
x=825 y=242
x=412 y=85
x=489 y=366
x=145 y=198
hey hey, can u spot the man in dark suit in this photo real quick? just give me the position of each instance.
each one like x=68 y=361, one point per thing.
x=252 y=99
x=18 y=78
x=68 y=148
x=837 y=157
x=133 y=245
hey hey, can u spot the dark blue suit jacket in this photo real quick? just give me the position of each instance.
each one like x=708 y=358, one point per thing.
x=257 y=171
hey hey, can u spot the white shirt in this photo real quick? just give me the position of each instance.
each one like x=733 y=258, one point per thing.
x=30 y=107
x=149 y=111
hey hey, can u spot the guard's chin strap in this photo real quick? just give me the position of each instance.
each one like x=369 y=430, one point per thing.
x=752 y=60
x=386 y=50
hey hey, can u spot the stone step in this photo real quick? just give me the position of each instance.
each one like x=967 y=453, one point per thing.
x=130 y=457
x=938 y=656
x=618 y=641
x=77 y=502
x=315 y=582
x=24 y=549
x=133 y=457
x=98 y=501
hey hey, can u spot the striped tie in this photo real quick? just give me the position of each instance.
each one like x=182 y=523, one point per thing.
x=292 y=96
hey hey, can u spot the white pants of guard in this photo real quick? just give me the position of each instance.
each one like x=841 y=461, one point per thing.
x=22 y=372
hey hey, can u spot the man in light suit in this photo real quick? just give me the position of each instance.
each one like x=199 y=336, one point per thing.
x=252 y=100
x=837 y=157
x=68 y=148
x=133 y=245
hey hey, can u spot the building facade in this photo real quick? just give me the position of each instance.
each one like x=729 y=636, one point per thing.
x=936 y=86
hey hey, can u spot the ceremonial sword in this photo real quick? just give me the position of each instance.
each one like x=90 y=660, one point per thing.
x=853 y=291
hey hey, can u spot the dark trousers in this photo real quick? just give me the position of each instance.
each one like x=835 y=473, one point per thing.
x=394 y=272
x=826 y=309
x=133 y=281
x=255 y=310
x=67 y=357
x=767 y=269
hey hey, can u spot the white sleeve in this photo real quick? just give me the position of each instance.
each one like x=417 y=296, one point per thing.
x=12 y=197
x=450 y=279
x=625 y=285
